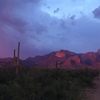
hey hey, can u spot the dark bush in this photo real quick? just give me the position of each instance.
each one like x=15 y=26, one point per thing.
x=44 y=84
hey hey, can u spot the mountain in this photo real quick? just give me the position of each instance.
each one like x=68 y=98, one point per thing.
x=6 y=62
x=62 y=59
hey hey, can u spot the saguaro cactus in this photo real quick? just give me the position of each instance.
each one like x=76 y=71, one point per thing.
x=18 y=54
x=14 y=58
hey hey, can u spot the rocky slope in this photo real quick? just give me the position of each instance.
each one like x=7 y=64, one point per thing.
x=62 y=59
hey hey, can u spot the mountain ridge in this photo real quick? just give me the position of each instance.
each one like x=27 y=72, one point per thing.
x=62 y=59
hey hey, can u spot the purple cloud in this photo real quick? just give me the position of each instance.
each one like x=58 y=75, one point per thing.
x=96 y=13
x=41 y=33
x=57 y=10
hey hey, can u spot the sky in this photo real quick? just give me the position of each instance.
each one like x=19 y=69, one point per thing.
x=44 y=26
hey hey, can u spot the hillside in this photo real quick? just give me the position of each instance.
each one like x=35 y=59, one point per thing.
x=62 y=59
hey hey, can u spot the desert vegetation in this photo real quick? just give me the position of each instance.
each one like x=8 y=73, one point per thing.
x=45 y=84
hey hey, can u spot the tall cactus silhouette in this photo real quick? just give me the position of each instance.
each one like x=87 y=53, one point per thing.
x=16 y=59
x=18 y=55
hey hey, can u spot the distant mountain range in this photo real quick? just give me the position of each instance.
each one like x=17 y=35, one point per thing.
x=62 y=59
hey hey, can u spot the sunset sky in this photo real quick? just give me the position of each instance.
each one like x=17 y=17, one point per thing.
x=43 y=26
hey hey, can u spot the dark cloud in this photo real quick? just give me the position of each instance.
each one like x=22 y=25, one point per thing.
x=40 y=33
x=14 y=27
x=96 y=13
x=57 y=10
x=72 y=18
x=16 y=23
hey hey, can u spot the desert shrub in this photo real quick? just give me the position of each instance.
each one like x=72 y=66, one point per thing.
x=44 y=84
